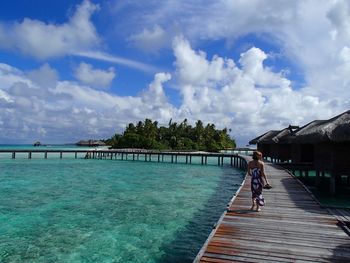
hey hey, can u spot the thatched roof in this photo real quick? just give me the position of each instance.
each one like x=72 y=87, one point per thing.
x=264 y=138
x=272 y=137
x=336 y=129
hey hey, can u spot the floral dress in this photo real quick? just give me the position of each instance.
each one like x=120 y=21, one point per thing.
x=257 y=186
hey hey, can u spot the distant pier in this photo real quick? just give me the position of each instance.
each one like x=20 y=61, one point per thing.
x=230 y=158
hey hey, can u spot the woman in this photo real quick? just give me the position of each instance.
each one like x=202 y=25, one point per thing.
x=257 y=173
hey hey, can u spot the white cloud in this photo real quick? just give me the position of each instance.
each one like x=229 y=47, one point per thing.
x=118 y=60
x=45 y=40
x=45 y=76
x=154 y=95
x=313 y=35
x=244 y=95
x=248 y=99
x=36 y=105
x=252 y=65
x=151 y=40
x=95 y=78
x=65 y=111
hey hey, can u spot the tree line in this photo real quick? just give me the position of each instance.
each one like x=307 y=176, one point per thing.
x=182 y=136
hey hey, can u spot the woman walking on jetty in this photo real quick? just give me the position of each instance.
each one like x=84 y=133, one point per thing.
x=257 y=173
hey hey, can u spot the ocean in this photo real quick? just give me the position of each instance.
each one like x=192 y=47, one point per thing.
x=84 y=210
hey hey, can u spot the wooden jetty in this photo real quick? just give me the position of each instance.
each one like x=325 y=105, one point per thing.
x=293 y=227
x=232 y=159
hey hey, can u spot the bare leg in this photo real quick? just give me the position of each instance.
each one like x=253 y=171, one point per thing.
x=253 y=204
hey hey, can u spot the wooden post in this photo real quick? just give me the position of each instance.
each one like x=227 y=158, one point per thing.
x=172 y=158
x=317 y=179
x=30 y=155
x=231 y=161
x=222 y=160
x=202 y=160
x=13 y=155
x=60 y=155
x=218 y=160
x=186 y=159
x=45 y=155
x=190 y=159
x=76 y=155
x=332 y=184
x=176 y=158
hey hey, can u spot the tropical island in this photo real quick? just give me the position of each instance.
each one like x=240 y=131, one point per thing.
x=149 y=135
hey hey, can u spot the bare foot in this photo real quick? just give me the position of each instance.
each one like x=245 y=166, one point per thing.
x=258 y=210
x=252 y=208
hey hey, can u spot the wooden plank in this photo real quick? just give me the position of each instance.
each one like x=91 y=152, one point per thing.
x=292 y=227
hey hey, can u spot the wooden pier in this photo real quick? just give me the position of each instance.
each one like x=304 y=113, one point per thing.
x=232 y=159
x=293 y=227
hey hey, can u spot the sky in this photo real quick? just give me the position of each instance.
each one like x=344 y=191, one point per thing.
x=72 y=70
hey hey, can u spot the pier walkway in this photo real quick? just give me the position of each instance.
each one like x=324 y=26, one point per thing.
x=292 y=227
x=232 y=159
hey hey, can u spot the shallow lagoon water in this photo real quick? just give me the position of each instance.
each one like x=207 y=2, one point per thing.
x=76 y=210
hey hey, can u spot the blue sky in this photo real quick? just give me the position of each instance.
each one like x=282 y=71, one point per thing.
x=72 y=70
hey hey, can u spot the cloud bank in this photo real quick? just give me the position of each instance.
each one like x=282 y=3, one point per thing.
x=45 y=40
x=243 y=95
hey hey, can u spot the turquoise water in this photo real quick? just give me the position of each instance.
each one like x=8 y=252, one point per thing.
x=76 y=210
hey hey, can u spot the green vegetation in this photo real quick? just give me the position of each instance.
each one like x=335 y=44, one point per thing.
x=148 y=135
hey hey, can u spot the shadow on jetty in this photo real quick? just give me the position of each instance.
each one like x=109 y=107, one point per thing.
x=185 y=247
x=341 y=253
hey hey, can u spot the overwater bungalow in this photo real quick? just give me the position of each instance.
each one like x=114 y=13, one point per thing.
x=272 y=145
x=326 y=144
x=264 y=143
x=321 y=145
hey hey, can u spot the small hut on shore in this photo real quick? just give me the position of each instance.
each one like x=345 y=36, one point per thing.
x=37 y=143
x=90 y=143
